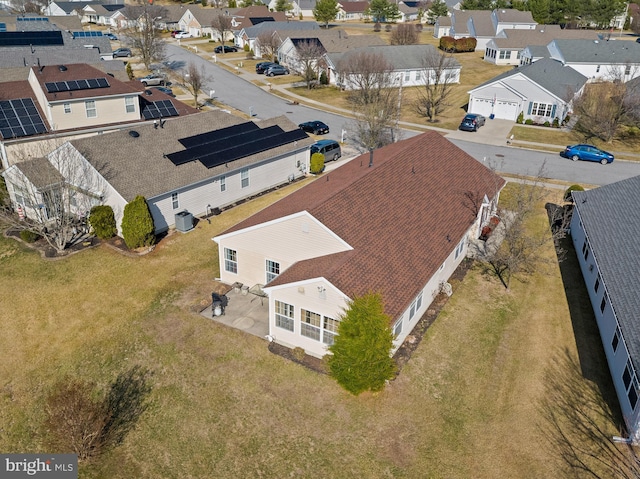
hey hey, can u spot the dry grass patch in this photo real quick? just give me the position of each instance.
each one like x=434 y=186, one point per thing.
x=464 y=406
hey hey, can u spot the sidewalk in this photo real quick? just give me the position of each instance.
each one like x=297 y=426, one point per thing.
x=494 y=133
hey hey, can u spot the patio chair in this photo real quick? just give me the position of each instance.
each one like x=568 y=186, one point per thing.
x=218 y=301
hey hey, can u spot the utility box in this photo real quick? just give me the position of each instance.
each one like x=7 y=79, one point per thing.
x=184 y=221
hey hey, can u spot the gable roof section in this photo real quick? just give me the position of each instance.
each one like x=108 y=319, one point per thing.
x=337 y=41
x=254 y=31
x=602 y=52
x=482 y=24
x=511 y=15
x=397 y=215
x=547 y=73
x=542 y=35
x=40 y=172
x=139 y=166
x=402 y=57
x=613 y=231
x=354 y=7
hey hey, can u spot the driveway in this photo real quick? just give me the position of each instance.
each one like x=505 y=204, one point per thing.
x=494 y=132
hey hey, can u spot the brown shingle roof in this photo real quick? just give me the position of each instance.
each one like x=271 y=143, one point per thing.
x=403 y=217
x=354 y=7
x=79 y=71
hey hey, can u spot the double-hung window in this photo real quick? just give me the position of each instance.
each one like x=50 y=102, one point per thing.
x=129 y=104
x=230 y=260
x=223 y=183
x=460 y=247
x=174 y=201
x=310 y=324
x=90 y=106
x=329 y=330
x=67 y=108
x=273 y=270
x=284 y=315
x=631 y=384
x=616 y=339
x=415 y=306
x=244 y=178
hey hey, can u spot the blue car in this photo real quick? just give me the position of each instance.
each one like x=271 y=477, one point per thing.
x=587 y=153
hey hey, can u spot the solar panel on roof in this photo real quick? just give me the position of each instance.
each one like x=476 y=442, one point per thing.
x=232 y=147
x=19 y=118
x=32 y=19
x=216 y=135
x=158 y=109
x=16 y=39
x=86 y=34
x=73 y=85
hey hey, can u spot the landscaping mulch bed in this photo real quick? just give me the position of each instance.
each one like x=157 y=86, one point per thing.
x=410 y=344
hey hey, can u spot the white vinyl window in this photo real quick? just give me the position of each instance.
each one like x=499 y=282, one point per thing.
x=174 y=201
x=223 y=183
x=631 y=384
x=460 y=247
x=129 y=104
x=407 y=75
x=504 y=54
x=310 y=323
x=616 y=339
x=244 y=178
x=273 y=270
x=90 y=106
x=230 y=260
x=284 y=315
x=329 y=330
x=415 y=306
x=67 y=108
x=21 y=195
x=542 y=109
x=397 y=329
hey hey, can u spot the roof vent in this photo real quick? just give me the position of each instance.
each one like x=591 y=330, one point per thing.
x=148 y=92
x=62 y=68
x=134 y=134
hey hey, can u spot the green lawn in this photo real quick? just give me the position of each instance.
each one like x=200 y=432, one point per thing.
x=223 y=406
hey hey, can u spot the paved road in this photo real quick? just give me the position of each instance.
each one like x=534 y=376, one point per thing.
x=242 y=95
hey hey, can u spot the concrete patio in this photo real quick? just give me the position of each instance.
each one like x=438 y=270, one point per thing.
x=246 y=312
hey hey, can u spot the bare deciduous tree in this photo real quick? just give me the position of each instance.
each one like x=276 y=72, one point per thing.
x=580 y=426
x=193 y=79
x=374 y=98
x=268 y=43
x=222 y=25
x=310 y=61
x=438 y=74
x=404 y=34
x=143 y=35
x=53 y=195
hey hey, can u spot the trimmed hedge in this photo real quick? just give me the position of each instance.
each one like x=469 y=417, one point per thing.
x=567 y=194
x=316 y=164
x=460 y=45
x=103 y=221
x=137 y=224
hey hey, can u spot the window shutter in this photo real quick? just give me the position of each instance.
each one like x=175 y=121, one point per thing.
x=530 y=106
x=553 y=111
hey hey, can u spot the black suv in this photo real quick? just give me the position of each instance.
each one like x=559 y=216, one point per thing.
x=263 y=66
x=227 y=49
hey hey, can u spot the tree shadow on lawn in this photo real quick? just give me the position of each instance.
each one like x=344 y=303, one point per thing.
x=592 y=359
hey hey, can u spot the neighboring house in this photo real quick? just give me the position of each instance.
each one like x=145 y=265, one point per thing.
x=605 y=238
x=442 y=27
x=100 y=14
x=197 y=20
x=508 y=46
x=541 y=91
x=56 y=8
x=304 y=7
x=408 y=11
x=340 y=237
x=195 y=163
x=483 y=25
x=253 y=15
x=331 y=41
x=38 y=104
x=249 y=35
x=408 y=63
x=598 y=59
x=352 y=10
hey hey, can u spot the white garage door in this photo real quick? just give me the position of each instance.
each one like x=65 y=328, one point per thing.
x=481 y=106
x=506 y=110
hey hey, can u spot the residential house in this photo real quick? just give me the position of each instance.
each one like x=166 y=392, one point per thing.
x=340 y=237
x=197 y=20
x=195 y=163
x=442 y=27
x=352 y=10
x=409 y=11
x=57 y=8
x=541 y=91
x=483 y=25
x=281 y=30
x=253 y=15
x=100 y=14
x=508 y=46
x=605 y=237
x=299 y=7
x=409 y=63
x=598 y=59
x=330 y=41
x=42 y=103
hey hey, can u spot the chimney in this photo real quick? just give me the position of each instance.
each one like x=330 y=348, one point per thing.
x=370 y=157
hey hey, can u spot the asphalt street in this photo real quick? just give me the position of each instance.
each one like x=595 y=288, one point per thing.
x=244 y=96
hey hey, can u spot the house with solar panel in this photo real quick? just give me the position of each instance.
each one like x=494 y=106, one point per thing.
x=605 y=238
x=195 y=164
x=342 y=236
x=74 y=99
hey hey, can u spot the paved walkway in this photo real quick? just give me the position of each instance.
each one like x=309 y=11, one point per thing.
x=495 y=132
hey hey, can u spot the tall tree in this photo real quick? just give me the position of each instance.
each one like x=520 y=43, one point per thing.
x=194 y=79
x=143 y=34
x=382 y=11
x=222 y=25
x=373 y=96
x=53 y=194
x=283 y=6
x=310 y=54
x=438 y=75
x=477 y=5
x=268 y=44
x=361 y=359
x=541 y=11
x=325 y=11
x=404 y=34
x=438 y=9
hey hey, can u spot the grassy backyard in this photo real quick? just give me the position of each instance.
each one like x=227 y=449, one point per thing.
x=223 y=406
